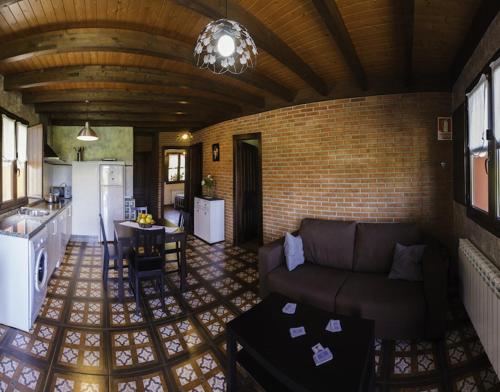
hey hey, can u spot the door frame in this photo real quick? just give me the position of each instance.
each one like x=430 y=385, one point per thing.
x=154 y=149
x=236 y=140
x=162 y=173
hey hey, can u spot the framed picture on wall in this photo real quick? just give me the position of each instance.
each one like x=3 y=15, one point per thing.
x=445 y=128
x=215 y=152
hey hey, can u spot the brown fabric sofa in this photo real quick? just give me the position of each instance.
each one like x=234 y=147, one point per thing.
x=346 y=272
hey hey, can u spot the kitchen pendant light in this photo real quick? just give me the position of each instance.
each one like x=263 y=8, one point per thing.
x=185 y=136
x=225 y=46
x=87 y=134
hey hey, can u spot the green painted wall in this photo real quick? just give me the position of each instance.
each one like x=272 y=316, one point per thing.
x=114 y=142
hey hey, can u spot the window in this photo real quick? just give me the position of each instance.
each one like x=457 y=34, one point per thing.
x=14 y=137
x=176 y=167
x=483 y=152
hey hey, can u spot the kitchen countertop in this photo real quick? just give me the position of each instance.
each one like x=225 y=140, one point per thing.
x=14 y=224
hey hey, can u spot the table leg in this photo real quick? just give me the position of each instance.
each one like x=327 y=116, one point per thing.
x=120 y=271
x=183 y=265
x=231 y=362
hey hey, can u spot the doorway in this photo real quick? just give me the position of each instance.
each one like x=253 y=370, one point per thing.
x=181 y=182
x=173 y=182
x=247 y=170
x=145 y=169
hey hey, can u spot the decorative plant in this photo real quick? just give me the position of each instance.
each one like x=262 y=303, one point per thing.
x=209 y=183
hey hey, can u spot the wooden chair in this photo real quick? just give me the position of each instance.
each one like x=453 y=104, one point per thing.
x=147 y=260
x=183 y=223
x=107 y=255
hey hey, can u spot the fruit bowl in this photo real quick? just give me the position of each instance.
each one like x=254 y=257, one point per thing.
x=145 y=225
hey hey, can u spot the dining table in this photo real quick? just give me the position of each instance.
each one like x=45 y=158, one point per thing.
x=124 y=236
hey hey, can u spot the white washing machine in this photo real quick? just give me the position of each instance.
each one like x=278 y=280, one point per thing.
x=24 y=273
x=39 y=272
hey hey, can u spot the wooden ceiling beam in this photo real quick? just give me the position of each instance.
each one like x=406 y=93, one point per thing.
x=164 y=126
x=408 y=19
x=132 y=75
x=6 y=3
x=487 y=11
x=145 y=108
x=133 y=117
x=122 y=41
x=264 y=38
x=125 y=96
x=334 y=22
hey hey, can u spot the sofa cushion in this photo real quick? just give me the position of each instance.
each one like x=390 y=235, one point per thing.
x=328 y=242
x=375 y=244
x=398 y=307
x=308 y=283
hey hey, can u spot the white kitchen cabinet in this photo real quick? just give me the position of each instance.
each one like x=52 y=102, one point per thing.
x=209 y=219
x=54 y=251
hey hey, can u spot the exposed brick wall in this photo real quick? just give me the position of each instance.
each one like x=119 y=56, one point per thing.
x=371 y=159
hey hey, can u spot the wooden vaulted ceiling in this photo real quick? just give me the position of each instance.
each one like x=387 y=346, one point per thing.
x=133 y=59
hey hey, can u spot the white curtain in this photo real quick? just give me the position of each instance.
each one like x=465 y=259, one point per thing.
x=477 y=103
x=8 y=138
x=22 y=142
x=495 y=71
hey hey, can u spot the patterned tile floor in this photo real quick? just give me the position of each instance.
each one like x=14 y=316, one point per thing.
x=85 y=340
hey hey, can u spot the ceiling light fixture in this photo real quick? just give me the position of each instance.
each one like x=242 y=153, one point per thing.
x=185 y=136
x=87 y=134
x=225 y=46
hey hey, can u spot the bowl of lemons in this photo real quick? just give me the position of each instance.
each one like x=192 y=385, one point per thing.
x=145 y=220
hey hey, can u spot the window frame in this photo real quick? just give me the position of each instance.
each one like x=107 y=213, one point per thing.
x=489 y=220
x=15 y=202
x=167 y=167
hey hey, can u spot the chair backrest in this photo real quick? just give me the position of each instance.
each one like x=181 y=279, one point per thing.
x=149 y=245
x=184 y=219
x=104 y=240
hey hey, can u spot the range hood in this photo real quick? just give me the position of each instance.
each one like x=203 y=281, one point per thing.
x=50 y=155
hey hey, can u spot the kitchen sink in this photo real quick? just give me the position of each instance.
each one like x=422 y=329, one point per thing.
x=33 y=212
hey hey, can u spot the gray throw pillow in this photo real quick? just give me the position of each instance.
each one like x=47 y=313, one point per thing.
x=407 y=263
x=294 y=251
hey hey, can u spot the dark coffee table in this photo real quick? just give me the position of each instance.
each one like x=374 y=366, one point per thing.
x=280 y=363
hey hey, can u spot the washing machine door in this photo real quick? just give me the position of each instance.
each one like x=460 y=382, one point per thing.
x=41 y=271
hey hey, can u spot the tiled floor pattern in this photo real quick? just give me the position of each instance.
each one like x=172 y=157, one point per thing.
x=85 y=340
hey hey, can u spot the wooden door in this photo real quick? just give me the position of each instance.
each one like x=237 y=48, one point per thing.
x=248 y=194
x=145 y=177
x=194 y=173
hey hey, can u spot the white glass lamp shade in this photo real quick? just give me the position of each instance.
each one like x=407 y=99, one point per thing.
x=225 y=46
x=87 y=134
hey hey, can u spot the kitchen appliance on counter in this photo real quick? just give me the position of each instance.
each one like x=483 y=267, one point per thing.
x=24 y=272
x=52 y=198
x=63 y=191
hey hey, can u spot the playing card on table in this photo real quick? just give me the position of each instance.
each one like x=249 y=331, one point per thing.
x=333 y=326
x=322 y=356
x=317 y=348
x=296 y=332
x=289 y=308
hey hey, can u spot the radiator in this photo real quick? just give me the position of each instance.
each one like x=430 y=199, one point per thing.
x=175 y=193
x=480 y=290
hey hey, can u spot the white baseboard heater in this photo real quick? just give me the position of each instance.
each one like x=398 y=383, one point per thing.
x=480 y=290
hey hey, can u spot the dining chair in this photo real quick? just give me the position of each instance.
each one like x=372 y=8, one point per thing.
x=107 y=255
x=147 y=260
x=141 y=210
x=175 y=248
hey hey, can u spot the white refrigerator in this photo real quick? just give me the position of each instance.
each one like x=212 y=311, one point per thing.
x=112 y=190
x=98 y=187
